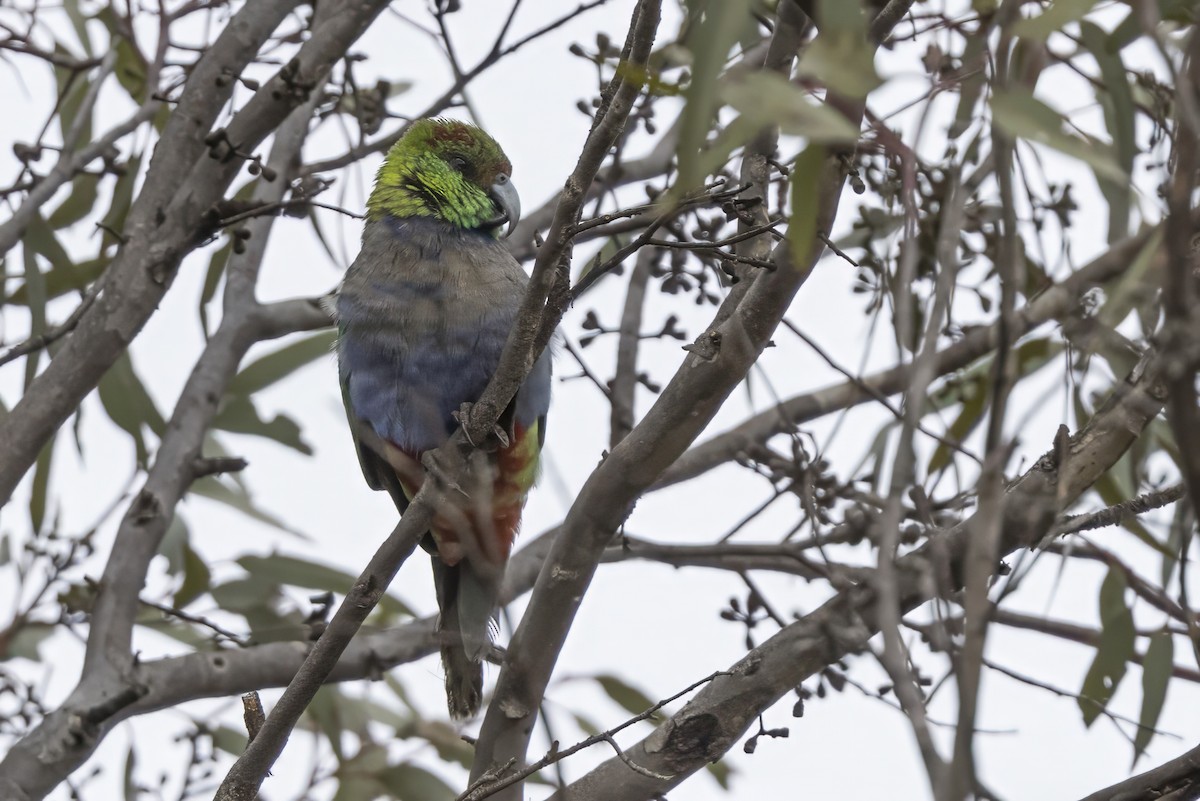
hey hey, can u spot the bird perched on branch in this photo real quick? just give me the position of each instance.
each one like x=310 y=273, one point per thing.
x=423 y=314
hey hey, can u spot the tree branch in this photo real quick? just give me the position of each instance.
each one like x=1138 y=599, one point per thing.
x=1055 y=302
x=718 y=716
x=1176 y=780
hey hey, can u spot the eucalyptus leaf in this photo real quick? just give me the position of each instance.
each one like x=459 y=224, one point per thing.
x=1022 y=115
x=1157 y=669
x=1114 y=651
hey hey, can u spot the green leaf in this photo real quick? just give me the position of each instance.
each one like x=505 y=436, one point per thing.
x=173 y=543
x=1122 y=296
x=840 y=57
x=1118 y=484
x=122 y=198
x=765 y=98
x=972 y=78
x=1020 y=114
x=129 y=405
x=132 y=791
x=1114 y=651
x=1116 y=98
x=1053 y=19
x=27 y=642
x=59 y=282
x=1179 y=539
x=79 y=23
x=131 y=66
x=79 y=204
x=1156 y=676
x=220 y=260
x=335 y=713
x=715 y=26
x=35 y=281
x=628 y=697
x=589 y=726
x=411 y=783
x=229 y=740
x=280 y=569
x=216 y=268
x=40 y=238
x=975 y=403
x=236 y=496
x=72 y=88
x=40 y=491
x=196 y=578
x=721 y=772
x=805 y=200
x=273 y=367
x=239 y=415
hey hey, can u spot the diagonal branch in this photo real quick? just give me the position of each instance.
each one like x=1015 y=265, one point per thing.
x=1177 y=779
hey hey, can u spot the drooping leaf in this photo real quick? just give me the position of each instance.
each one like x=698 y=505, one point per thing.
x=972 y=78
x=1052 y=19
x=129 y=405
x=131 y=65
x=280 y=569
x=840 y=57
x=173 y=543
x=275 y=366
x=59 y=282
x=197 y=578
x=714 y=27
x=35 y=282
x=1156 y=676
x=1116 y=98
x=1022 y=115
x=721 y=772
x=411 y=783
x=239 y=415
x=628 y=697
x=765 y=98
x=1179 y=539
x=132 y=791
x=1114 y=651
x=805 y=197
x=72 y=88
x=27 y=642
x=975 y=403
x=335 y=713
x=236 y=496
x=212 y=278
x=40 y=490
x=79 y=204
x=231 y=741
x=122 y=198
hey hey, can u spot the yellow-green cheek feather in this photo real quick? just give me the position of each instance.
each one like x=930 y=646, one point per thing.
x=422 y=185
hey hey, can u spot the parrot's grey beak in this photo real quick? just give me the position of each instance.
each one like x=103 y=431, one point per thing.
x=505 y=196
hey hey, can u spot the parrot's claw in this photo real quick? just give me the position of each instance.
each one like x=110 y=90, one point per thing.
x=463 y=418
x=434 y=470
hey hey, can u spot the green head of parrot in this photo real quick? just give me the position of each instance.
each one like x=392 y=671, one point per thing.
x=449 y=170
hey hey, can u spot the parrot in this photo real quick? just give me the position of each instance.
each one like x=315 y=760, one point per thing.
x=423 y=313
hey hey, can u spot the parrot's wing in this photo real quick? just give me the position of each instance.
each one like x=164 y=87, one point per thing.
x=378 y=473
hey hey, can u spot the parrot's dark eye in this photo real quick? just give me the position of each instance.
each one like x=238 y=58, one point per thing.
x=458 y=163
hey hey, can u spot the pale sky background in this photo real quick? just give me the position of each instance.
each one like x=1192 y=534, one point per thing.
x=655 y=626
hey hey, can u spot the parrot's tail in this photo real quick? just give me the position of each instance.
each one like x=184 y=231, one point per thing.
x=467 y=601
